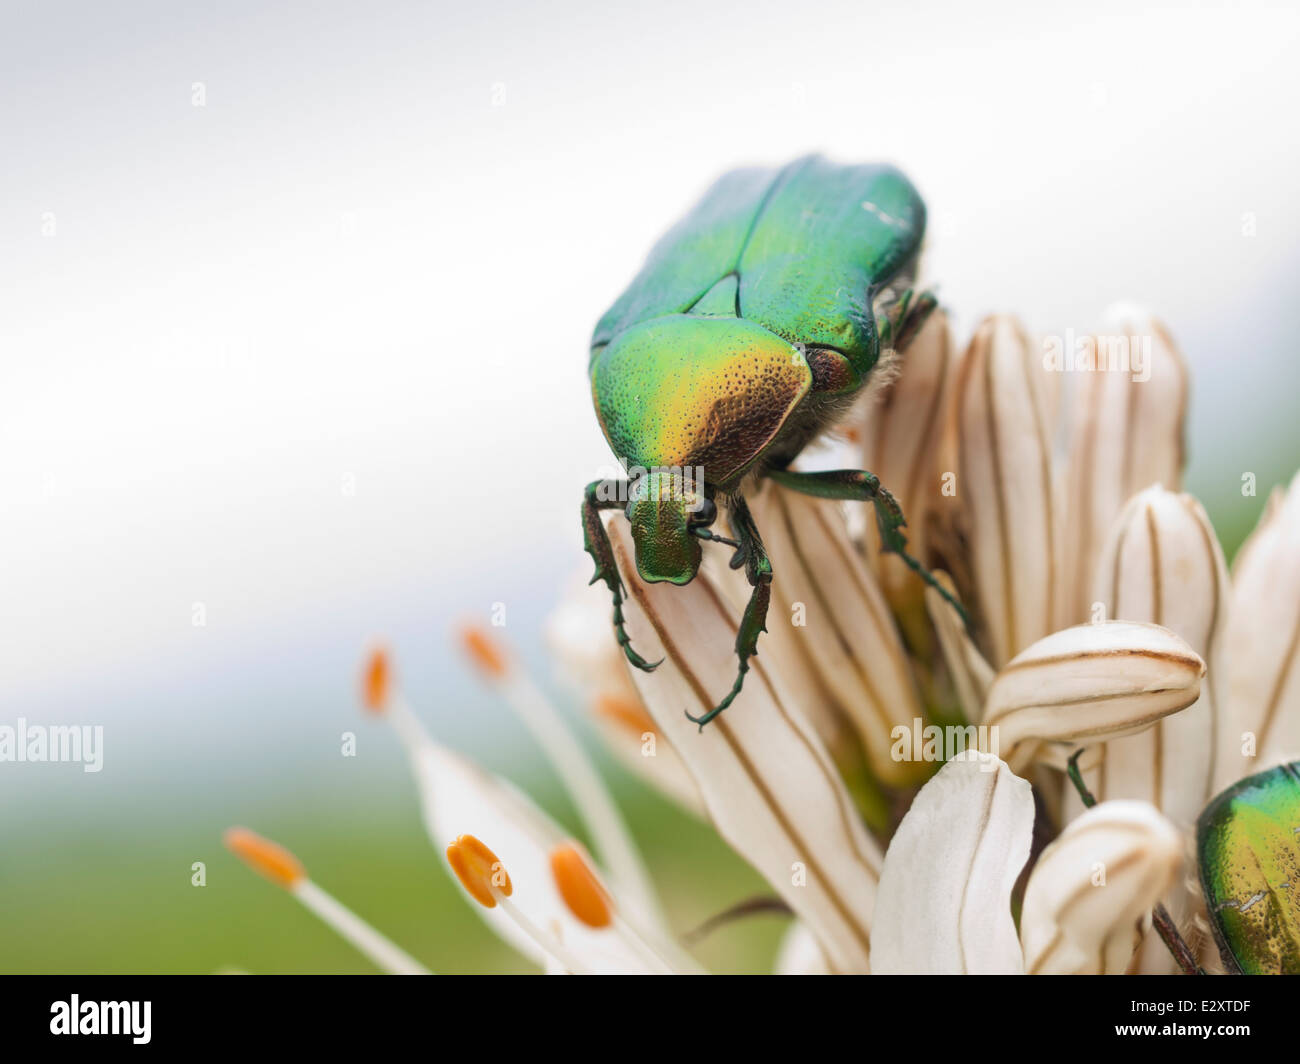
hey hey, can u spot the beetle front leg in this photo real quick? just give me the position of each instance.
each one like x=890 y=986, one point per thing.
x=605 y=495
x=758 y=570
x=904 y=319
x=857 y=485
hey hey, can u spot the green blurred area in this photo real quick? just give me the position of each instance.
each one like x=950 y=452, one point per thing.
x=118 y=898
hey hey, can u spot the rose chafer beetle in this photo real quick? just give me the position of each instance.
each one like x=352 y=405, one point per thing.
x=750 y=329
x=1248 y=841
x=1248 y=854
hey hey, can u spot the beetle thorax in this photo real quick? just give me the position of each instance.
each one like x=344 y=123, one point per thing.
x=685 y=392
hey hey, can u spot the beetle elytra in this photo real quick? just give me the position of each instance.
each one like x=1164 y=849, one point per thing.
x=1248 y=844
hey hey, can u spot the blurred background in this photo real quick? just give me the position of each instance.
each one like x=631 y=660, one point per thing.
x=294 y=306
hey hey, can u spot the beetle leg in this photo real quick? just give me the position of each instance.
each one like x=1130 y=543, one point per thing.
x=860 y=486
x=904 y=319
x=890 y=317
x=604 y=495
x=758 y=570
x=1076 y=777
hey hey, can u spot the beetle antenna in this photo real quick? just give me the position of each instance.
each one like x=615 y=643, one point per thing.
x=713 y=537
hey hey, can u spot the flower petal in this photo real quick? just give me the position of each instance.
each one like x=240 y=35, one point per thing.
x=632 y=736
x=1092 y=886
x=1263 y=646
x=458 y=798
x=1163 y=565
x=1091 y=683
x=827 y=605
x=788 y=659
x=799 y=953
x=944 y=905
x=576 y=633
x=1123 y=435
x=971 y=675
x=1004 y=485
x=767 y=781
x=900 y=431
x=590 y=662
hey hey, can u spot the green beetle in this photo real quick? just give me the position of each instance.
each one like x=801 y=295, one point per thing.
x=750 y=329
x=1248 y=840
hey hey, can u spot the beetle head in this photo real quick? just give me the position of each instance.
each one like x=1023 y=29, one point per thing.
x=664 y=506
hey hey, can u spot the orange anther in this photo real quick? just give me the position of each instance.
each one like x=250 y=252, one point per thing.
x=264 y=856
x=478 y=870
x=377 y=681
x=582 y=892
x=485 y=651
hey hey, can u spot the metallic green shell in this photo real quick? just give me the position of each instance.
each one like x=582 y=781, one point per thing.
x=777 y=261
x=1248 y=840
x=810 y=243
x=694 y=391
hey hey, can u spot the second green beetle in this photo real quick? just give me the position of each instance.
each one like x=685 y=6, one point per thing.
x=750 y=330
x=1248 y=840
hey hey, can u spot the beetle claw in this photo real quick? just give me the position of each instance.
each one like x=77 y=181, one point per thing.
x=731 y=697
x=638 y=662
x=625 y=641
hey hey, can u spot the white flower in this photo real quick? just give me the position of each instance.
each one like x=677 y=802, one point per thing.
x=1262 y=712
x=768 y=783
x=944 y=905
x=901 y=430
x=1000 y=410
x=945 y=891
x=1091 y=683
x=828 y=607
x=1106 y=638
x=1094 y=886
x=1125 y=433
x=592 y=665
x=458 y=798
x=1163 y=564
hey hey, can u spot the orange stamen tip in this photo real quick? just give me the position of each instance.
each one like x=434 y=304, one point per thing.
x=265 y=857
x=484 y=650
x=582 y=892
x=479 y=870
x=626 y=712
x=377 y=681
